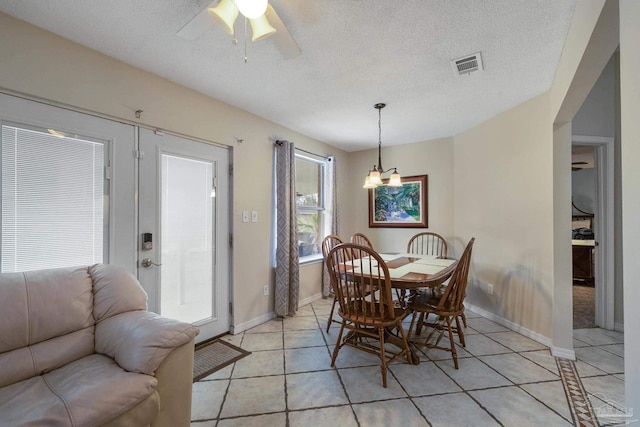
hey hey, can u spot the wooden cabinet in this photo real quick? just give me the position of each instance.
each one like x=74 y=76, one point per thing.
x=583 y=262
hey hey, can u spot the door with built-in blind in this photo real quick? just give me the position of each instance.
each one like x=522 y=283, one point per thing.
x=68 y=188
x=183 y=251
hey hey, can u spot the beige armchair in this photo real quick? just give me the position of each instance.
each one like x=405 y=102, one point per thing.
x=79 y=348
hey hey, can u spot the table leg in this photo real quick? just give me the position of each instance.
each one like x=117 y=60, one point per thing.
x=394 y=339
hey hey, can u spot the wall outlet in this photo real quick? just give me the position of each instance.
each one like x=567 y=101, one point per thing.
x=265 y=289
x=254 y=216
x=489 y=289
x=245 y=216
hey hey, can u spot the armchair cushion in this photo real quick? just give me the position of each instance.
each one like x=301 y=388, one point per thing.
x=115 y=291
x=79 y=394
x=140 y=340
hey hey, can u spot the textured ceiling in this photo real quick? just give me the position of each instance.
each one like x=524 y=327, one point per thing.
x=355 y=53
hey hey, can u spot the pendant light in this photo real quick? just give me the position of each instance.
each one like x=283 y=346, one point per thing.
x=374 y=177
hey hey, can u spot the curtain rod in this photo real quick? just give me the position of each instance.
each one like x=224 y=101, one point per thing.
x=308 y=152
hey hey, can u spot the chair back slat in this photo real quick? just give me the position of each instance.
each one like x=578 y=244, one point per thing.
x=357 y=272
x=328 y=243
x=453 y=296
x=361 y=239
x=427 y=243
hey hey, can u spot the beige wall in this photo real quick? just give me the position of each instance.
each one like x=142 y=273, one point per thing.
x=591 y=42
x=504 y=198
x=630 y=136
x=599 y=115
x=40 y=64
x=562 y=315
x=432 y=158
x=574 y=69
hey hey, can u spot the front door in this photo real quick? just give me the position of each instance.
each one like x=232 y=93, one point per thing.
x=183 y=230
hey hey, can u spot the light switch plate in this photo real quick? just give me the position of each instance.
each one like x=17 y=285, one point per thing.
x=245 y=216
x=254 y=216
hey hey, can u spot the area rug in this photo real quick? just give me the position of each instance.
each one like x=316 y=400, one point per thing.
x=584 y=307
x=215 y=355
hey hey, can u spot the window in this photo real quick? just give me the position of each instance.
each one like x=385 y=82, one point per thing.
x=53 y=204
x=310 y=201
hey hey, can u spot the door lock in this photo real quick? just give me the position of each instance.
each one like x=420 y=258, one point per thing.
x=146 y=263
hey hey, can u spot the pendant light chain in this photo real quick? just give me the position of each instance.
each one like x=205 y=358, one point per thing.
x=380 y=141
x=379 y=127
x=374 y=177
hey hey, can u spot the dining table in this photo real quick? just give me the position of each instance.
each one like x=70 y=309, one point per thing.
x=408 y=274
x=415 y=271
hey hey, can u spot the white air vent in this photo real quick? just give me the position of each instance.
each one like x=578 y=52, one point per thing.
x=467 y=64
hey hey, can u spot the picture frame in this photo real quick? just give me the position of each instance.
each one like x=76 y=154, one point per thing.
x=399 y=207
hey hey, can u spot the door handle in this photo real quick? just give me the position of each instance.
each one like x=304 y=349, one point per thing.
x=146 y=263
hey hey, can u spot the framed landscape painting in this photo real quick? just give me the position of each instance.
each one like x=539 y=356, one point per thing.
x=401 y=207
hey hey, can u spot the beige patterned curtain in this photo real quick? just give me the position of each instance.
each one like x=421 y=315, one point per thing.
x=332 y=213
x=287 y=286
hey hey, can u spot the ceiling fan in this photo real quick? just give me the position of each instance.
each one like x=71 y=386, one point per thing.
x=265 y=22
x=576 y=168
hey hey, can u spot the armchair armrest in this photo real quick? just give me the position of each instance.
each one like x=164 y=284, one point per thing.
x=140 y=340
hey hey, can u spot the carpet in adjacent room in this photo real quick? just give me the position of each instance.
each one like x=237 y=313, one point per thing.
x=584 y=307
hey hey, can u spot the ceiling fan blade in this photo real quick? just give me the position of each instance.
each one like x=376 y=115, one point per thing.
x=282 y=38
x=197 y=26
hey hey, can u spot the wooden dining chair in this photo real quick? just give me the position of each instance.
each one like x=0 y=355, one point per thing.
x=361 y=239
x=427 y=243
x=447 y=308
x=368 y=316
x=328 y=243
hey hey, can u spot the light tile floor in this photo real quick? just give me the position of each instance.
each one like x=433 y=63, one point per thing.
x=504 y=379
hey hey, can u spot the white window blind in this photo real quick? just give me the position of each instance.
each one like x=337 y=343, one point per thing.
x=53 y=205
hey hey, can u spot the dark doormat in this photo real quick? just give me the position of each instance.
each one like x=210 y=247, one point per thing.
x=215 y=355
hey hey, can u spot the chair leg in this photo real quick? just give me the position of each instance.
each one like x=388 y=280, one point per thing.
x=405 y=341
x=454 y=353
x=464 y=318
x=459 y=331
x=336 y=349
x=383 y=360
x=413 y=320
x=420 y=323
x=333 y=306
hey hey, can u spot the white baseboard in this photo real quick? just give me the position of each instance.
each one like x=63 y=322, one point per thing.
x=511 y=325
x=565 y=353
x=236 y=329
x=310 y=299
x=619 y=327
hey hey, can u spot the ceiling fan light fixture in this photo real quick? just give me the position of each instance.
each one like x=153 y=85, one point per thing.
x=252 y=9
x=261 y=28
x=225 y=14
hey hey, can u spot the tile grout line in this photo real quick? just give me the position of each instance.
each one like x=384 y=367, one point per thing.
x=579 y=404
x=335 y=368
